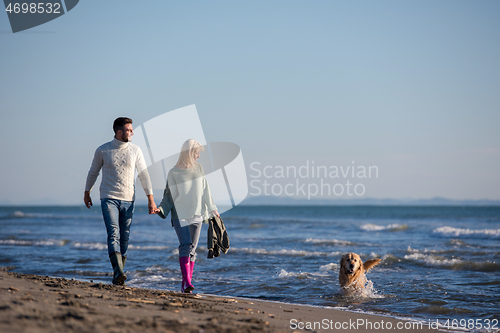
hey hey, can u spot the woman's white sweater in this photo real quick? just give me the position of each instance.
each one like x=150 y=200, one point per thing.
x=190 y=193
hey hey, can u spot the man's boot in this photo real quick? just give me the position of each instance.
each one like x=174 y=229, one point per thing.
x=119 y=276
x=124 y=260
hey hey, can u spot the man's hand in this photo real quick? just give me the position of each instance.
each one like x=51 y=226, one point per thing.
x=87 y=200
x=151 y=205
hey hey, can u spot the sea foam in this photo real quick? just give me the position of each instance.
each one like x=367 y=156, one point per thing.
x=357 y=294
x=390 y=227
x=91 y=246
x=447 y=231
x=148 y=247
x=299 y=253
x=43 y=242
x=328 y=241
x=453 y=263
x=328 y=267
x=284 y=274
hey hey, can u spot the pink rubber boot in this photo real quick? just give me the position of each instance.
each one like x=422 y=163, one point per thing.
x=186 y=286
x=191 y=267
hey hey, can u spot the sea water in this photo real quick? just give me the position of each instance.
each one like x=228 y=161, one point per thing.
x=437 y=262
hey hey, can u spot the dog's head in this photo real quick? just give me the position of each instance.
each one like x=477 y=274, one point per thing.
x=352 y=269
x=351 y=263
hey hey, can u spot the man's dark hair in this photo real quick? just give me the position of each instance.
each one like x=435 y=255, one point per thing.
x=120 y=122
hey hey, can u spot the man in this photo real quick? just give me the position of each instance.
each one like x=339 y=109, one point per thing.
x=118 y=160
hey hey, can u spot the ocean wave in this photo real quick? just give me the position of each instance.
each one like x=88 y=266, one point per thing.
x=447 y=231
x=87 y=246
x=323 y=271
x=287 y=219
x=458 y=242
x=16 y=214
x=454 y=264
x=141 y=280
x=152 y=276
x=329 y=241
x=91 y=246
x=425 y=250
x=298 y=253
x=154 y=269
x=148 y=247
x=390 y=227
x=390 y=258
x=328 y=267
x=284 y=274
x=44 y=242
x=22 y=215
x=81 y=273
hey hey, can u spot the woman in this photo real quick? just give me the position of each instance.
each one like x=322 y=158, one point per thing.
x=187 y=197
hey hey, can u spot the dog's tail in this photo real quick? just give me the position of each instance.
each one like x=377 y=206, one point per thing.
x=370 y=263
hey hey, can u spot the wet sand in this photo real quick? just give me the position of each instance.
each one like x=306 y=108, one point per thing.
x=31 y=303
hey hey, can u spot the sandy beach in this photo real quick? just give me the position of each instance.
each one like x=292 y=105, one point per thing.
x=31 y=303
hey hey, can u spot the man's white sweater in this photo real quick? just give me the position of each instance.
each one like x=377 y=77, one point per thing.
x=119 y=161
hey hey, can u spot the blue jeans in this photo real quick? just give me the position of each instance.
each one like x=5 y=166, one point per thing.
x=117 y=216
x=188 y=236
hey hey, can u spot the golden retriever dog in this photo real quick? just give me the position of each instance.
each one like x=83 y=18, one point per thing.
x=352 y=271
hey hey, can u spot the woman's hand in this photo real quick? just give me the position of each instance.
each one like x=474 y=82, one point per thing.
x=216 y=213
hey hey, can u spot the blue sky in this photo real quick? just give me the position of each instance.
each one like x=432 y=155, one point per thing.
x=411 y=87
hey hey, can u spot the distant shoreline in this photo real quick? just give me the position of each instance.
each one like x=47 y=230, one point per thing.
x=275 y=201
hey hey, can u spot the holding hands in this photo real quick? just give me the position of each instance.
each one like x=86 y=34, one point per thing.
x=152 y=206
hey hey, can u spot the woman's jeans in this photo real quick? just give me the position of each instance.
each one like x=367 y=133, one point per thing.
x=188 y=236
x=117 y=216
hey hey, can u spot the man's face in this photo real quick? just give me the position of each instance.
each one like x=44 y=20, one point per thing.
x=126 y=134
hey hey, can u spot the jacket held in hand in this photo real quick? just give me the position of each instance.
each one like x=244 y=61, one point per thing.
x=217 y=238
